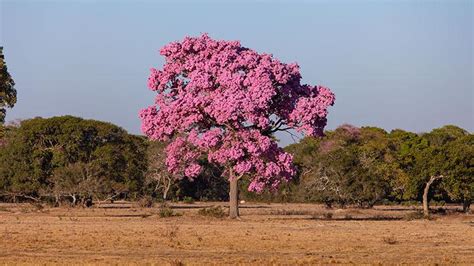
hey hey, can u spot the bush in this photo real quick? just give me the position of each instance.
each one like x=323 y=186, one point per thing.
x=188 y=200
x=216 y=212
x=166 y=211
x=440 y=211
x=328 y=215
x=410 y=203
x=438 y=203
x=414 y=216
x=145 y=202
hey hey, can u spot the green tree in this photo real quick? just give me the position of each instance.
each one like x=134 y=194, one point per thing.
x=440 y=156
x=348 y=166
x=72 y=157
x=157 y=175
x=439 y=137
x=408 y=146
x=459 y=169
x=7 y=89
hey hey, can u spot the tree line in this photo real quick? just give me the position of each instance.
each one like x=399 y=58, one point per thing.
x=70 y=159
x=365 y=166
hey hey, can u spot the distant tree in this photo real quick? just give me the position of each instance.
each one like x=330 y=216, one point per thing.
x=348 y=166
x=407 y=145
x=438 y=137
x=74 y=180
x=429 y=168
x=219 y=100
x=458 y=167
x=377 y=158
x=7 y=90
x=434 y=158
x=6 y=130
x=71 y=157
x=157 y=174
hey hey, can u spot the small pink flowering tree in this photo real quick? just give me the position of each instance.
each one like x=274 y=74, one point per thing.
x=219 y=100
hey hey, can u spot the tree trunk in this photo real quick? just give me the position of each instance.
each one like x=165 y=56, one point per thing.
x=166 y=188
x=466 y=205
x=233 y=196
x=74 y=200
x=426 y=207
x=56 y=198
x=165 y=194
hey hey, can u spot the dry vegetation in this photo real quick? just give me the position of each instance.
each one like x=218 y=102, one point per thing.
x=266 y=234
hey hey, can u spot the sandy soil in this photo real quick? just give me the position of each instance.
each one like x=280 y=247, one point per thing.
x=266 y=234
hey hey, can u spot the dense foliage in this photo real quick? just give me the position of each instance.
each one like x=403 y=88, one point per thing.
x=348 y=166
x=7 y=90
x=366 y=165
x=70 y=157
x=446 y=152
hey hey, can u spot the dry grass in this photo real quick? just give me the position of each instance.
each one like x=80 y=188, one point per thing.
x=266 y=234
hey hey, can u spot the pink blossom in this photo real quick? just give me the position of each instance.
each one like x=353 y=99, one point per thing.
x=192 y=170
x=224 y=101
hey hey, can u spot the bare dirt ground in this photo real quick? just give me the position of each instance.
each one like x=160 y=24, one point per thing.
x=266 y=234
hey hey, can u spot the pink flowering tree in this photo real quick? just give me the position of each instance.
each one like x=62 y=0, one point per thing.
x=219 y=101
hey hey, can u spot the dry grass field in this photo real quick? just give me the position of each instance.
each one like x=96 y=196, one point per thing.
x=121 y=233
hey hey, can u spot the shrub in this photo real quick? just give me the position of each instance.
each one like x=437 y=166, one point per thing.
x=438 y=203
x=145 y=202
x=216 y=212
x=410 y=203
x=166 y=211
x=414 y=216
x=188 y=200
x=440 y=211
x=328 y=215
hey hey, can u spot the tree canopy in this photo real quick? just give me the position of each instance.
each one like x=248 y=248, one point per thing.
x=70 y=156
x=349 y=165
x=7 y=89
x=365 y=165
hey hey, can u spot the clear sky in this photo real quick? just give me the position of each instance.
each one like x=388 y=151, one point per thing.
x=392 y=64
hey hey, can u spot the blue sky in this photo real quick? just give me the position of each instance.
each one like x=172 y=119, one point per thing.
x=392 y=64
